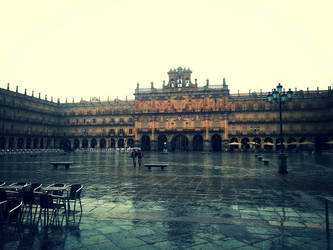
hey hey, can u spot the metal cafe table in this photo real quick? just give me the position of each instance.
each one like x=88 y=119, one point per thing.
x=13 y=187
x=51 y=188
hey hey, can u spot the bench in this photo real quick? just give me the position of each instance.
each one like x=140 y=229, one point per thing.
x=59 y=163
x=156 y=165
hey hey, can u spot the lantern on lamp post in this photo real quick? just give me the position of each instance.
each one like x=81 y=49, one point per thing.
x=280 y=96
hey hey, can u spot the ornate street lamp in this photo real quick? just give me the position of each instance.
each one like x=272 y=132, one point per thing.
x=280 y=97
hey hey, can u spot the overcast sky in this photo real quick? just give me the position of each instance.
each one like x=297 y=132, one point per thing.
x=101 y=48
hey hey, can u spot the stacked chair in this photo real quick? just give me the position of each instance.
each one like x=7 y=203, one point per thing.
x=29 y=203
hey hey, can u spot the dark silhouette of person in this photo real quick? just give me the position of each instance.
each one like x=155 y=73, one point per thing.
x=133 y=156
x=140 y=156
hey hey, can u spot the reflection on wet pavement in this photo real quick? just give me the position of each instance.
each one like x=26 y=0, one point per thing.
x=200 y=201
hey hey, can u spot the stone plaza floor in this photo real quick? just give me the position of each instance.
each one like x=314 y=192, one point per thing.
x=200 y=201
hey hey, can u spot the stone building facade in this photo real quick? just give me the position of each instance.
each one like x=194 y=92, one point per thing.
x=179 y=116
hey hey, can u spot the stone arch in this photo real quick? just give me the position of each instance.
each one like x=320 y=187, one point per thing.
x=85 y=143
x=113 y=143
x=216 y=142
x=20 y=143
x=29 y=141
x=179 y=143
x=121 y=143
x=2 y=143
x=93 y=143
x=257 y=142
x=233 y=147
x=35 y=143
x=320 y=144
x=102 y=143
x=197 y=143
x=162 y=142
x=48 y=142
x=279 y=144
x=76 y=144
x=291 y=143
x=301 y=145
x=268 y=144
x=145 y=143
x=130 y=143
x=11 y=143
x=245 y=143
x=67 y=145
x=41 y=144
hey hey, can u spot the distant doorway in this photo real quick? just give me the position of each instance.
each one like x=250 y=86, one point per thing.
x=197 y=143
x=179 y=143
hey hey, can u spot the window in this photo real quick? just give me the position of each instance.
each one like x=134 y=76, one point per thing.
x=130 y=131
x=94 y=120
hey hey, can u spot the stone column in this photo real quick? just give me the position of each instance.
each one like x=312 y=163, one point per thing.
x=206 y=146
x=72 y=143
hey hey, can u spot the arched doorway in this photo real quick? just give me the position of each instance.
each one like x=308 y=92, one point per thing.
x=11 y=143
x=76 y=143
x=179 y=143
x=320 y=144
x=257 y=142
x=29 y=140
x=67 y=145
x=102 y=143
x=2 y=143
x=35 y=143
x=162 y=143
x=145 y=143
x=279 y=144
x=302 y=145
x=245 y=144
x=268 y=144
x=20 y=143
x=130 y=143
x=234 y=144
x=197 y=143
x=113 y=143
x=84 y=143
x=121 y=143
x=93 y=143
x=216 y=143
x=291 y=143
x=48 y=142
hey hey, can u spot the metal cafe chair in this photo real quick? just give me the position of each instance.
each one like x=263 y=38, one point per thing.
x=3 y=201
x=35 y=187
x=50 y=209
x=12 y=212
x=74 y=195
x=30 y=202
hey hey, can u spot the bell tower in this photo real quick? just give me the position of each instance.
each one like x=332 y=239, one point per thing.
x=180 y=78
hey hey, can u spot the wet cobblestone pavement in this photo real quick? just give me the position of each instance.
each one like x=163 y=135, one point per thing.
x=200 y=201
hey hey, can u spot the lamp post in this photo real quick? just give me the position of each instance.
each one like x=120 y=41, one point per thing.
x=280 y=97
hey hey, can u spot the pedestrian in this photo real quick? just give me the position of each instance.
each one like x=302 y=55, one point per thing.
x=140 y=156
x=133 y=156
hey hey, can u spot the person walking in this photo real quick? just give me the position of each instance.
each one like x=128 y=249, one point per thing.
x=140 y=156
x=133 y=156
